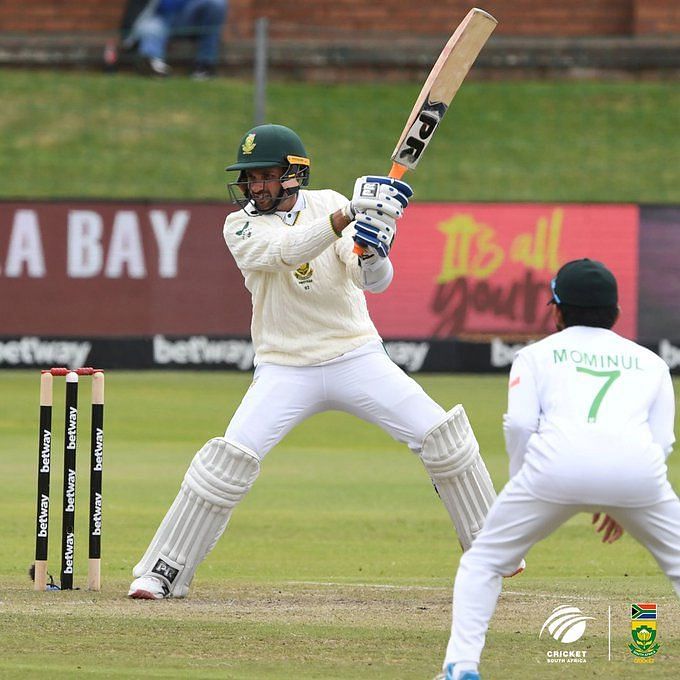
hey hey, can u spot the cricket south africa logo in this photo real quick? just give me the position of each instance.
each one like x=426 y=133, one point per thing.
x=565 y=624
x=643 y=630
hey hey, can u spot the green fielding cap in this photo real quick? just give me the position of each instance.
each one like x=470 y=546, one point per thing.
x=584 y=283
x=267 y=146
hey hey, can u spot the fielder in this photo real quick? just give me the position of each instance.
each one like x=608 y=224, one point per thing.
x=589 y=427
x=316 y=350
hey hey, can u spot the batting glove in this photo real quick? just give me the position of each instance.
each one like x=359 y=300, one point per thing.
x=377 y=202
x=375 y=232
x=382 y=194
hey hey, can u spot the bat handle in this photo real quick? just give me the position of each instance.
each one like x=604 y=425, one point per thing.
x=397 y=171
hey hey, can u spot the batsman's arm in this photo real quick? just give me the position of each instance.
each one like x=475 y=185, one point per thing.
x=259 y=246
x=370 y=273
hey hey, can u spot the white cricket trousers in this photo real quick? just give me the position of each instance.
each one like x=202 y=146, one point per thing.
x=364 y=382
x=518 y=520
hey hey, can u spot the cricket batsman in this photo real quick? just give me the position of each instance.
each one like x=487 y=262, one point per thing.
x=588 y=429
x=316 y=350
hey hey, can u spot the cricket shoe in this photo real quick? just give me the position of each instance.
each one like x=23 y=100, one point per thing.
x=447 y=674
x=148 y=588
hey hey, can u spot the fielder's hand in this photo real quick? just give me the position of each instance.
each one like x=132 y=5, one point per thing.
x=377 y=202
x=612 y=529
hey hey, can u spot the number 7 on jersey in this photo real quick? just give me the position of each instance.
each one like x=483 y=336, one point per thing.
x=611 y=377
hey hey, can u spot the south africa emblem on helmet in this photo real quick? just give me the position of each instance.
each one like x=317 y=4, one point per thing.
x=249 y=144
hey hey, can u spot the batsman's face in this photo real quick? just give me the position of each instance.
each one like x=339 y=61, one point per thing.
x=264 y=186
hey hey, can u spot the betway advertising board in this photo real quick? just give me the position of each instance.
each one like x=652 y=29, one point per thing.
x=152 y=285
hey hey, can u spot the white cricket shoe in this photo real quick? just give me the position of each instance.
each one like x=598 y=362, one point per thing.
x=148 y=588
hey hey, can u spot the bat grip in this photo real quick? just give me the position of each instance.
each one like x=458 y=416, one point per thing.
x=397 y=171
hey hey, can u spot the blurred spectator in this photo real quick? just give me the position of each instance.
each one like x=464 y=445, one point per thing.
x=148 y=25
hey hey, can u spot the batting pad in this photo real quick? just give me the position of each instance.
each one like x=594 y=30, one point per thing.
x=219 y=476
x=450 y=454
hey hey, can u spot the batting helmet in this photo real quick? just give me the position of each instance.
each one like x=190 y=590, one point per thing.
x=267 y=146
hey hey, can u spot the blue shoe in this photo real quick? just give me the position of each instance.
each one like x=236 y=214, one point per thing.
x=467 y=675
x=448 y=674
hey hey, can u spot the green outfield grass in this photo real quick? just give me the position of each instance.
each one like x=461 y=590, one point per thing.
x=122 y=136
x=338 y=564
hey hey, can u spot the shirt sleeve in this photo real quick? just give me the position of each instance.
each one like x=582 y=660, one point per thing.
x=258 y=245
x=522 y=417
x=373 y=275
x=344 y=249
x=662 y=414
x=376 y=274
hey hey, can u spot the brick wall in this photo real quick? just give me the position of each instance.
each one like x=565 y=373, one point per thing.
x=657 y=17
x=29 y=16
x=516 y=17
x=325 y=18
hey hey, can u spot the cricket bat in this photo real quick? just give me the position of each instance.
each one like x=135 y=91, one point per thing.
x=439 y=89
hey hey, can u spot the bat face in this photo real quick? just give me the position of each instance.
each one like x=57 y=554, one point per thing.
x=441 y=85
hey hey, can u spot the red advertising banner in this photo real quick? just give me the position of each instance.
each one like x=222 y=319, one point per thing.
x=475 y=271
x=118 y=269
x=110 y=269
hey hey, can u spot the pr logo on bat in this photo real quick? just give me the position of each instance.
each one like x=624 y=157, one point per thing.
x=420 y=133
x=566 y=624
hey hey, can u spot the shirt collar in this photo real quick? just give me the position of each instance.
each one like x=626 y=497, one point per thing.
x=290 y=216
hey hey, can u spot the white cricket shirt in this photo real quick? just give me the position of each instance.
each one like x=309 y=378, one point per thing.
x=305 y=282
x=590 y=419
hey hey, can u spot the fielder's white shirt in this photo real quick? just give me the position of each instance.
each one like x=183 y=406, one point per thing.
x=305 y=282
x=590 y=419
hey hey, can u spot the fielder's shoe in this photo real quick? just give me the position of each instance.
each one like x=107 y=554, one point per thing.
x=148 y=588
x=465 y=675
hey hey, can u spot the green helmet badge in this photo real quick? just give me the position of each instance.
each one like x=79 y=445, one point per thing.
x=248 y=145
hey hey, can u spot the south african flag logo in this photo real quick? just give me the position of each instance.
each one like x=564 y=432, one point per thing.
x=643 y=630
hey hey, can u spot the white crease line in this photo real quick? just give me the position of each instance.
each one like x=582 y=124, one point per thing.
x=552 y=596
x=379 y=586
x=387 y=586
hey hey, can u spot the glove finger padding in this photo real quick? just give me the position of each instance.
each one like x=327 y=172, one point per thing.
x=381 y=194
x=375 y=231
